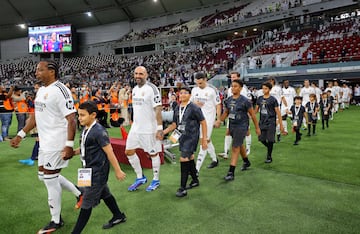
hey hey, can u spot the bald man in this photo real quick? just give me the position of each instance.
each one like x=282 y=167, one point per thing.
x=146 y=130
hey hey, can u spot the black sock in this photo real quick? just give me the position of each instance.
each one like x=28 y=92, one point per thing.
x=82 y=220
x=185 y=168
x=246 y=159
x=193 y=171
x=309 y=129
x=264 y=143
x=35 y=151
x=314 y=127
x=113 y=207
x=232 y=169
x=270 y=149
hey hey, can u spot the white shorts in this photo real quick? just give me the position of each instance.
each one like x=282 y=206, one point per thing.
x=51 y=160
x=147 y=142
x=210 y=126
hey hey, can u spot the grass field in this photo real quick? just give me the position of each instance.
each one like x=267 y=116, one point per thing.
x=310 y=188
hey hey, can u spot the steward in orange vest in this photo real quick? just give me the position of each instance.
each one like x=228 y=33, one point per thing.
x=100 y=102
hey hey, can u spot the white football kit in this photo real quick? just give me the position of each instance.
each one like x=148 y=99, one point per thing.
x=52 y=104
x=209 y=97
x=143 y=130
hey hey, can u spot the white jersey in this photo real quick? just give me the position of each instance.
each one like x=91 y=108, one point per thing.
x=346 y=93
x=305 y=94
x=289 y=94
x=209 y=97
x=336 y=90
x=244 y=91
x=318 y=93
x=144 y=100
x=52 y=104
x=276 y=92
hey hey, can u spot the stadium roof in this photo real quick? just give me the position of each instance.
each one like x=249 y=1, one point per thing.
x=17 y=14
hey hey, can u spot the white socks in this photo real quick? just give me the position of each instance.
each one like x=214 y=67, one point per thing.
x=135 y=163
x=248 y=143
x=200 y=158
x=156 y=166
x=227 y=144
x=211 y=151
x=54 y=195
x=66 y=184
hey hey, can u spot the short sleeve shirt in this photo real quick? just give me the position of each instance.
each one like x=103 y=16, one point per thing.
x=238 y=109
x=190 y=120
x=144 y=100
x=267 y=111
x=210 y=97
x=52 y=104
x=95 y=157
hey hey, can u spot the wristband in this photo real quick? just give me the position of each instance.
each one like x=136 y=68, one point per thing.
x=159 y=128
x=21 y=133
x=69 y=144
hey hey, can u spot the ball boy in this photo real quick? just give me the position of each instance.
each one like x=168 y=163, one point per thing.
x=238 y=109
x=186 y=122
x=97 y=154
x=269 y=111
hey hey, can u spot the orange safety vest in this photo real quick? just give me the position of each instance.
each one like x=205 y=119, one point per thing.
x=84 y=99
x=107 y=108
x=115 y=116
x=8 y=104
x=114 y=98
x=99 y=105
x=22 y=106
x=75 y=98
x=125 y=103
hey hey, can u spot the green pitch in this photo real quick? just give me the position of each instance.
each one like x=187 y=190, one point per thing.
x=310 y=188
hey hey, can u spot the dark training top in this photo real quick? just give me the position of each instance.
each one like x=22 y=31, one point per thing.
x=267 y=112
x=95 y=157
x=238 y=109
x=189 y=126
x=297 y=114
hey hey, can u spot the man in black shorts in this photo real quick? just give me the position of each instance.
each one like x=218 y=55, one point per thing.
x=237 y=108
x=186 y=122
x=269 y=111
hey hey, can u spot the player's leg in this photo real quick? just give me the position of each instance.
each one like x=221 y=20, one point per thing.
x=152 y=146
x=110 y=202
x=185 y=169
x=52 y=164
x=211 y=148
x=227 y=142
x=248 y=141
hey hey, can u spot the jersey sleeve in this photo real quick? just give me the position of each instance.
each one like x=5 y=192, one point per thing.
x=176 y=116
x=65 y=101
x=156 y=97
x=248 y=104
x=103 y=138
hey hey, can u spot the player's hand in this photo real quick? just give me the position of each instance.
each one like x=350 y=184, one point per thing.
x=160 y=135
x=15 y=142
x=120 y=175
x=258 y=131
x=67 y=153
x=282 y=130
x=217 y=124
x=200 y=104
x=204 y=144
